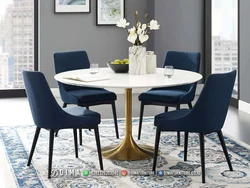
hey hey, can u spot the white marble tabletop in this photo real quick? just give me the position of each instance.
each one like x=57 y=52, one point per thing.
x=125 y=80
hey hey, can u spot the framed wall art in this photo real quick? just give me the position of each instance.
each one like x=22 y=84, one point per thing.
x=109 y=12
x=72 y=6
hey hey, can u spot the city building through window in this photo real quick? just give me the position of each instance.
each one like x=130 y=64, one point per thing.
x=225 y=37
x=16 y=41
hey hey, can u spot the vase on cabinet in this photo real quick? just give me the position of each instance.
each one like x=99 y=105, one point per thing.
x=137 y=60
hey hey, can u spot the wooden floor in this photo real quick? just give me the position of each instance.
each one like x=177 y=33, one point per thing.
x=16 y=112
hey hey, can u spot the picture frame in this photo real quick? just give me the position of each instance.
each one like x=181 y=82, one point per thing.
x=72 y=6
x=109 y=14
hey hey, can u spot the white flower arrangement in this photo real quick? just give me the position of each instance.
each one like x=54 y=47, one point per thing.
x=138 y=34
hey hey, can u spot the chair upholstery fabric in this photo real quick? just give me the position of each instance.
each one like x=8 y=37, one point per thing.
x=47 y=113
x=208 y=114
x=91 y=95
x=162 y=95
x=67 y=61
x=179 y=94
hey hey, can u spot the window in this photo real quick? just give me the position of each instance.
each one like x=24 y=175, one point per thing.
x=16 y=30
x=224 y=20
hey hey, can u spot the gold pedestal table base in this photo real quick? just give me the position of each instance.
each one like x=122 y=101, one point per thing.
x=128 y=149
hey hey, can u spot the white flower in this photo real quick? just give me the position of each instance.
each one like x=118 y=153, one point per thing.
x=132 y=30
x=143 y=38
x=122 y=23
x=139 y=31
x=132 y=37
x=144 y=26
x=154 y=25
x=142 y=29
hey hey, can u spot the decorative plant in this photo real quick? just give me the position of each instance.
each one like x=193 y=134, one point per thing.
x=138 y=34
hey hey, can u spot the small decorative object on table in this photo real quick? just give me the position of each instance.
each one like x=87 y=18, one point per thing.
x=151 y=62
x=94 y=68
x=137 y=36
x=119 y=66
x=168 y=71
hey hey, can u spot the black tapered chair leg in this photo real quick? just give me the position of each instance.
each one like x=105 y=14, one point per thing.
x=178 y=132
x=190 y=106
x=87 y=107
x=56 y=133
x=64 y=105
x=98 y=145
x=185 y=145
x=220 y=135
x=202 y=153
x=166 y=109
x=51 y=144
x=80 y=136
x=140 y=120
x=115 y=118
x=75 y=142
x=178 y=138
x=178 y=107
x=157 y=140
x=34 y=144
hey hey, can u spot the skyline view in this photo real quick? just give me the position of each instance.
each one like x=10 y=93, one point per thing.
x=225 y=38
x=16 y=41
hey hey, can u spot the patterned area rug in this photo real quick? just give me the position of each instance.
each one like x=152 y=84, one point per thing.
x=68 y=171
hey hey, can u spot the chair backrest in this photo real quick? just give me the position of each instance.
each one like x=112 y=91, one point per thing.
x=211 y=108
x=43 y=105
x=67 y=61
x=185 y=61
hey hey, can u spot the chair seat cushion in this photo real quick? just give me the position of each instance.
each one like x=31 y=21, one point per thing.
x=170 y=121
x=91 y=117
x=87 y=95
x=80 y=111
x=162 y=95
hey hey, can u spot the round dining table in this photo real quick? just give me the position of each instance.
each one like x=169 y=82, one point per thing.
x=127 y=149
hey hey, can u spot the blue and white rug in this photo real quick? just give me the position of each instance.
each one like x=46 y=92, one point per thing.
x=17 y=141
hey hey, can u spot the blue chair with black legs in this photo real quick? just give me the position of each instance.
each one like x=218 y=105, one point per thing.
x=207 y=116
x=81 y=96
x=47 y=114
x=172 y=96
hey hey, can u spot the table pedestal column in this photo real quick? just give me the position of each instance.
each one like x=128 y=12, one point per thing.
x=128 y=149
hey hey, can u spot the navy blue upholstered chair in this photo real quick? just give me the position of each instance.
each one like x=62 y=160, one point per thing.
x=47 y=114
x=207 y=116
x=172 y=96
x=81 y=96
